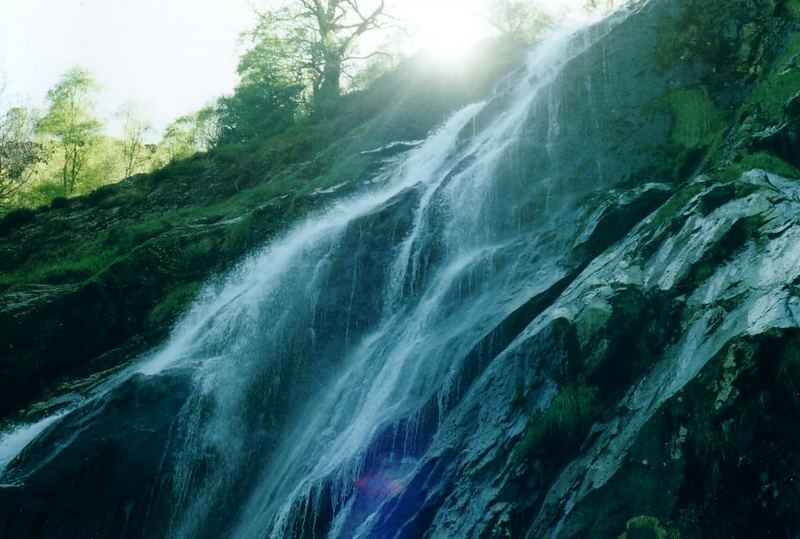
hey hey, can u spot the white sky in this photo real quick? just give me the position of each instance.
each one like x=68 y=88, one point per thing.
x=171 y=56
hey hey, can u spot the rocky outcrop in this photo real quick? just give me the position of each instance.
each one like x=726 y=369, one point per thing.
x=716 y=293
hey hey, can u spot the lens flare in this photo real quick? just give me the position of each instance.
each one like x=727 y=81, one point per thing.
x=380 y=485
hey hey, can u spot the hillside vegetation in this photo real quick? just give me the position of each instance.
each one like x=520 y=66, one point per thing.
x=87 y=283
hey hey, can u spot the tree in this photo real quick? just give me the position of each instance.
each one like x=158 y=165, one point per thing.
x=178 y=138
x=260 y=107
x=601 y=4
x=71 y=121
x=206 y=128
x=521 y=20
x=275 y=77
x=191 y=133
x=320 y=39
x=19 y=153
x=135 y=128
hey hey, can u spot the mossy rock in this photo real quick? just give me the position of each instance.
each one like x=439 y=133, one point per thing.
x=561 y=426
x=697 y=120
x=645 y=527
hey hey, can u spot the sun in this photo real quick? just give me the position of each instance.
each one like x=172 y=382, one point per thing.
x=449 y=30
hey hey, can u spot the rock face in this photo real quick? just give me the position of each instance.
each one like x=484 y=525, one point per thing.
x=572 y=312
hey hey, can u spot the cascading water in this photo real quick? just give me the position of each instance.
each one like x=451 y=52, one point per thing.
x=305 y=391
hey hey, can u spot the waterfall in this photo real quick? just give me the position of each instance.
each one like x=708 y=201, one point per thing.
x=316 y=373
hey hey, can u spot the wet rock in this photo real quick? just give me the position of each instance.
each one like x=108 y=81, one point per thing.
x=108 y=472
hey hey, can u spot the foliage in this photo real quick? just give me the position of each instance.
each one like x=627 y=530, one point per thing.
x=297 y=58
x=15 y=219
x=265 y=104
x=521 y=20
x=275 y=97
x=256 y=111
x=104 y=164
x=206 y=129
x=276 y=49
x=64 y=152
x=19 y=153
x=190 y=134
x=72 y=123
x=135 y=128
x=179 y=139
x=283 y=76
x=376 y=67
x=314 y=43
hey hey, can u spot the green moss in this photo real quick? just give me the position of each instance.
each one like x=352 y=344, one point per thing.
x=791 y=52
x=200 y=252
x=768 y=99
x=759 y=160
x=173 y=304
x=239 y=235
x=771 y=96
x=676 y=203
x=83 y=266
x=697 y=121
x=561 y=426
x=85 y=256
x=349 y=168
x=644 y=527
x=793 y=8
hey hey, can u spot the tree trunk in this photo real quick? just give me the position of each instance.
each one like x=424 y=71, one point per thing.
x=330 y=88
x=65 y=172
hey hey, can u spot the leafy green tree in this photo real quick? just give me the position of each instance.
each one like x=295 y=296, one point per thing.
x=524 y=21
x=319 y=38
x=265 y=103
x=297 y=58
x=135 y=128
x=71 y=121
x=178 y=140
x=190 y=133
x=19 y=152
x=206 y=128
x=274 y=81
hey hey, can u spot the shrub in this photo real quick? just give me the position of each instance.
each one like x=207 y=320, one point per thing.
x=16 y=219
x=59 y=203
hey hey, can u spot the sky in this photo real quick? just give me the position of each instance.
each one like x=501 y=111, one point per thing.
x=171 y=57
